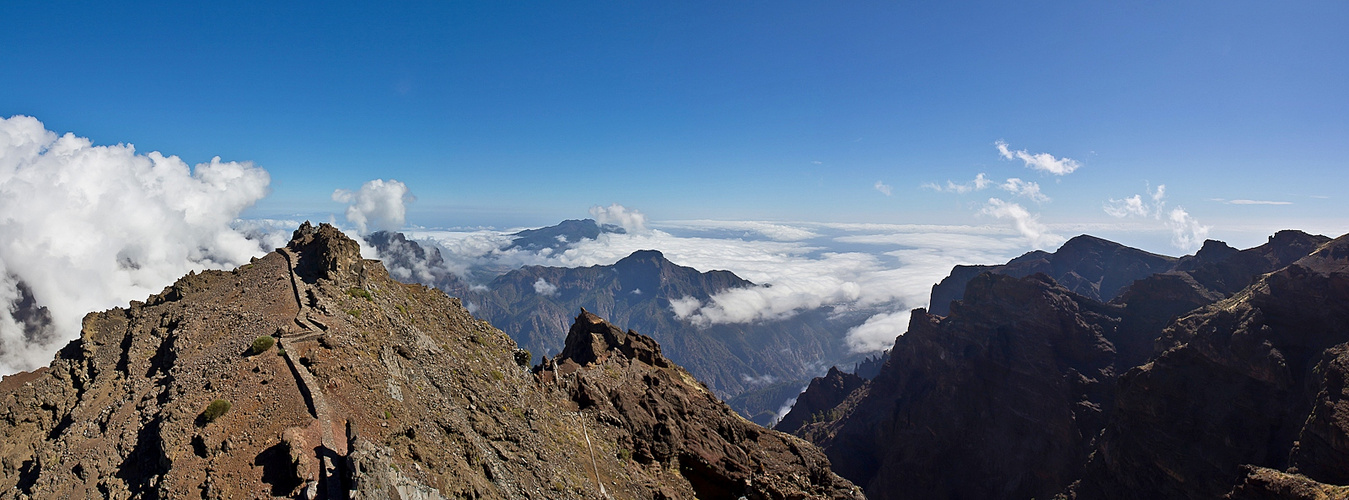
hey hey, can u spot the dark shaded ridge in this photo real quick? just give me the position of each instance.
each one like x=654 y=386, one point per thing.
x=1255 y=380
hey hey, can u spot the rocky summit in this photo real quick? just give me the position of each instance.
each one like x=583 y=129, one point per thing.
x=310 y=373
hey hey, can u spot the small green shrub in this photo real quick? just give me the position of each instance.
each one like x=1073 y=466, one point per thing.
x=263 y=343
x=360 y=293
x=402 y=309
x=355 y=313
x=498 y=376
x=624 y=454
x=215 y=410
x=387 y=415
x=281 y=351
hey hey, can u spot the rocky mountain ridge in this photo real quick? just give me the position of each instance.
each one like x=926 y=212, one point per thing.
x=755 y=366
x=372 y=389
x=1029 y=389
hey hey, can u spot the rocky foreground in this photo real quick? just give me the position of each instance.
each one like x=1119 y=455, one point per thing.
x=372 y=389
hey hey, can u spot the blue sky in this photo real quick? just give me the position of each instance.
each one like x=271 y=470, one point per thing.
x=519 y=113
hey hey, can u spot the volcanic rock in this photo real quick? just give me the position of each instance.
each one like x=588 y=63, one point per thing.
x=823 y=394
x=1257 y=379
x=375 y=389
x=1086 y=265
x=664 y=421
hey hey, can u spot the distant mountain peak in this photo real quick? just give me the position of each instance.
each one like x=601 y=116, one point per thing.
x=562 y=235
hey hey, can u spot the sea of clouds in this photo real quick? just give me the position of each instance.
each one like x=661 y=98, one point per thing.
x=886 y=269
x=87 y=227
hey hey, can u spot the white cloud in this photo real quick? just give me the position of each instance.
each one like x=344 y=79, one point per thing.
x=979 y=183
x=630 y=219
x=1186 y=233
x=545 y=288
x=878 y=332
x=1258 y=202
x=685 y=307
x=1132 y=205
x=379 y=205
x=884 y=188
x=758 y=381
x=1043 y=162
x=1027 y=224
x=1023 y=188
x=88 y=228
x=745 y=229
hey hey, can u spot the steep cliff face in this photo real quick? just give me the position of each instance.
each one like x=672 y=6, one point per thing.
x=1007 y=396
x=999 y=399
x=821 y=396
x=373 y=388
x=664 y=420
x=1254 y=382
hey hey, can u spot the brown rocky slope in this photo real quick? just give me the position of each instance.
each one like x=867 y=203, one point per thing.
x=375 y=389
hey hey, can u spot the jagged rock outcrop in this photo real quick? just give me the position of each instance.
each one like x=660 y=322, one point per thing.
x=1086 y=265
x=1101 y=269
x=1257 y=379
x=666 y=422
x=374 y=388
x=823 y=394
x=1226 y=270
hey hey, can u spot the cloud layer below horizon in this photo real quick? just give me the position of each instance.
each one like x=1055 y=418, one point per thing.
x=880 y=270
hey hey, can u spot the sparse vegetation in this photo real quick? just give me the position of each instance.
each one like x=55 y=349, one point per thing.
x=262 y=344
x=402 y=309
x=624 y=454
x=355 y=313
x=215 y=410
x=360 y=293
x=387 y=415
x=498 y=376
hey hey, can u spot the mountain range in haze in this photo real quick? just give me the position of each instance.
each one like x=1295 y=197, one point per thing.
x=756 y=366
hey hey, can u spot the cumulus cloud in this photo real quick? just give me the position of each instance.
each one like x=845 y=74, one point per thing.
x=1125 y=207
x=87 y=228
x=1023 y=188
x=619 y=215
x=1043 y=162
x=685 y=307
x=878 y=332
x=379 y=205
x=884 y=188
x=979 y=183
x=1027 y=224
x=545 y=288
x=1186 y=232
